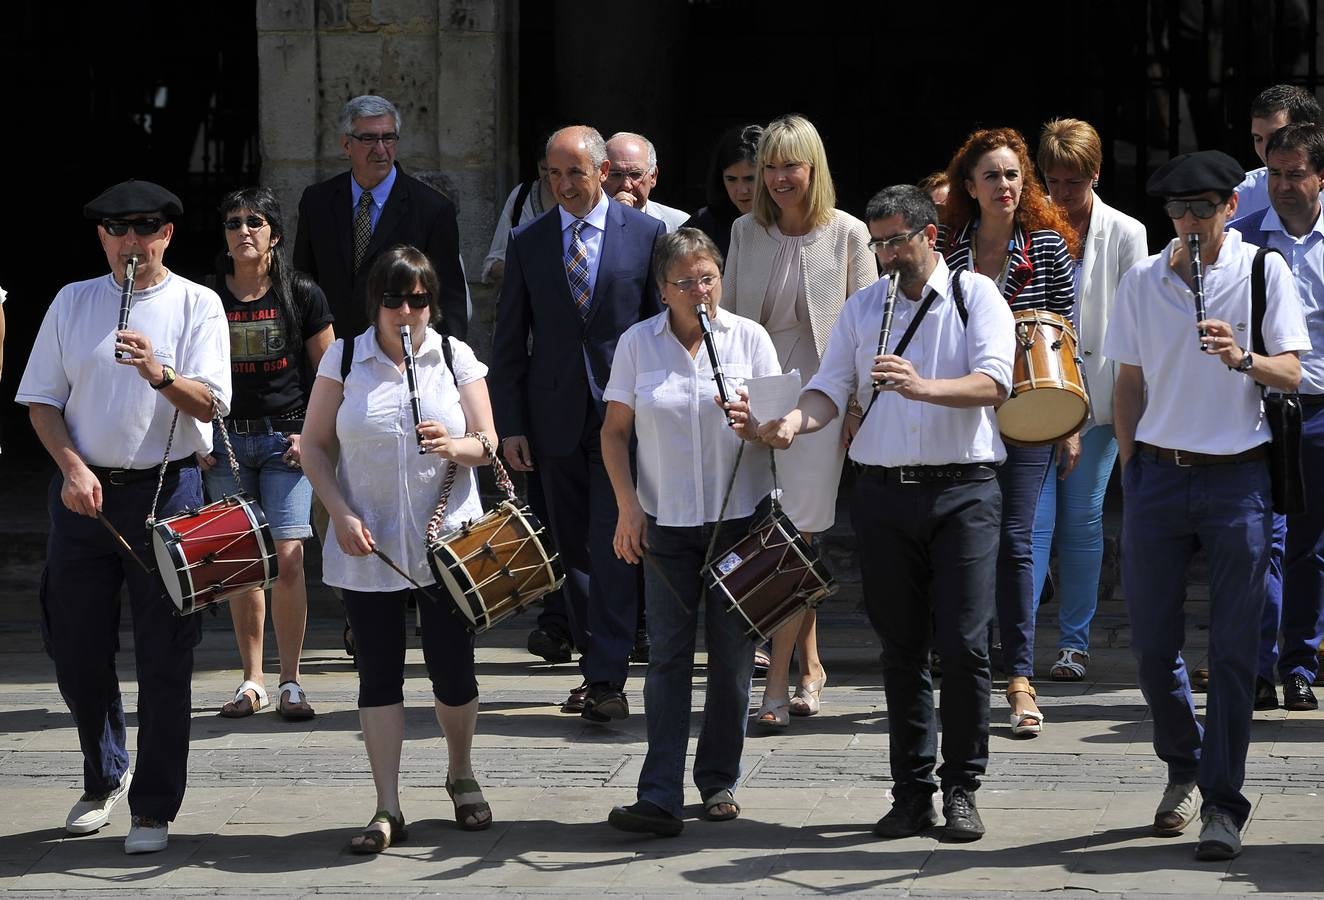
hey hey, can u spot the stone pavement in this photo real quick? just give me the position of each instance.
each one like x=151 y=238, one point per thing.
x=271 y=805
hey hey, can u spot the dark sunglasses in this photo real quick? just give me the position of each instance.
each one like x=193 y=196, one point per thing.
x=141 y=227
x=253 y=223
x=395 y=299
x=1202 y=209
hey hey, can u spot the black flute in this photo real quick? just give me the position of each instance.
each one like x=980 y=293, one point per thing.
x=414 y=405
x=126 y=296
x=708 y=341
x=889 y=305
x=1197 y=281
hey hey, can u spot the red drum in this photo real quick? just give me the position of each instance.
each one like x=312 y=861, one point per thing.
x=770 y=575
x=205 y=555
x=1048 y=400
x=495 y=566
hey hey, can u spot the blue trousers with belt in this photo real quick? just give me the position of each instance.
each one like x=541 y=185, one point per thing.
x=1169 y=511
x=80 y=605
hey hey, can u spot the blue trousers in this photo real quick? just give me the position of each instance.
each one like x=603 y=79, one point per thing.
x=80 y=606
x=1168 y=511
x=1021 y=479
x=1072 y=511
x=675 y=592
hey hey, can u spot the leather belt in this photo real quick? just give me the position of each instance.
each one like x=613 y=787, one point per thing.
x=930 y=474
x=266 y=425
x=132 y=476
x=1185 y=458
x=1311 y=399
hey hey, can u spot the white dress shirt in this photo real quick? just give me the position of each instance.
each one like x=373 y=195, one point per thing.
x=1193 y=401
x=386 y=482
x=901 y=432
x=596 y=220
x=115 y=419
x=669 y=216
x=686 y=450
x=1253 y=192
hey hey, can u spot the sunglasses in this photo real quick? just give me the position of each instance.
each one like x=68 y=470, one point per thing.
x=141 y=227
x=395 y=299
x=253 y=223
x=1202 y=209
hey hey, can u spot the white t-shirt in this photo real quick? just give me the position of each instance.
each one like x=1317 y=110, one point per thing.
x=1193 y=401
x=686 y=449
x=114 y=417
x=386 y=482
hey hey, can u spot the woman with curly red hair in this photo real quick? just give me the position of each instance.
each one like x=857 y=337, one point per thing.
x=999 y=222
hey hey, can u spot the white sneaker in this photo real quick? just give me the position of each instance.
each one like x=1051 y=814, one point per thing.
x=91 y=813
x=1177 y=809
x=1220 y=838
x=147 y=835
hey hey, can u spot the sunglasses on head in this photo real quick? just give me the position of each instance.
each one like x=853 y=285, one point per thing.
x=253 y=223
x=395 y=299
x=141 y=227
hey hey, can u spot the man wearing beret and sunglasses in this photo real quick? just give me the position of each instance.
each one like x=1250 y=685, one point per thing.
x=102 y=400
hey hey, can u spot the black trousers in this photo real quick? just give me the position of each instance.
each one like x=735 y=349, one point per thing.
x=928 y=557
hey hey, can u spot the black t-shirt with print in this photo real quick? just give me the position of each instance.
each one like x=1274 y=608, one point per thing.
x=268 y=377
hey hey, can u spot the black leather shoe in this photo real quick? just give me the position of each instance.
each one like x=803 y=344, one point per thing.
x=1266 y=695
x=963 y=822
x=550 y=645
x=643 y=817
x=574 y=704
x=1297 y=695
x=909 y=815
x=604 y=703
x=640 y=652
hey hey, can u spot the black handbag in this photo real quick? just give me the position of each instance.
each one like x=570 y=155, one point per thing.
x=1281 y=411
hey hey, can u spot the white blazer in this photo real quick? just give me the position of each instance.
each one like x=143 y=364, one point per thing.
x=1114 y=243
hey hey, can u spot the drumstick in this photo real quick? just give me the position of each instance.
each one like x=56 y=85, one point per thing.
x=1197 y=281
x=710 y=342
x=889 y=305
x=412 y=378
x=126 y=295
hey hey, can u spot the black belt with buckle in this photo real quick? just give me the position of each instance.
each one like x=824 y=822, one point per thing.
x=930 y=474
x=1187 y=458
x=1311 y=399
x=267 y=424
x=132 y=476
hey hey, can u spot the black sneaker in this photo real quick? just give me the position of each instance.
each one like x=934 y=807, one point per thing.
x=1297 y=695
x=643 y=817
x=604 y=703
x=574 y=704
x=963 y=822
x=550 y=645
x=1266 y=695
x=640 y=652
x=910 y=814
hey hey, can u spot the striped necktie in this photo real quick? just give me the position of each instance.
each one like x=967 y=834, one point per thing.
x=362 y=227
x=576 y=269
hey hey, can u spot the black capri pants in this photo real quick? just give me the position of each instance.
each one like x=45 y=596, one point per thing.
x=378 y=620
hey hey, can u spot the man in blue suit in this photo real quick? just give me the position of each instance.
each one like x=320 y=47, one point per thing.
x=576 y=278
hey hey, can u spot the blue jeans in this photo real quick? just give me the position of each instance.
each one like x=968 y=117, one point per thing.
x=1020 y=478
x=1168 y=511
x=1272 y=618
x=1073 y=508
x=283 y=493
x=674 y=588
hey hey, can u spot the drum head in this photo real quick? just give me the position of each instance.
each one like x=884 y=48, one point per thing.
x=170 y=564
x=1042 y=416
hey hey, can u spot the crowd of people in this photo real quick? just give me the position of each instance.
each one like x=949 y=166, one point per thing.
x=336 y=390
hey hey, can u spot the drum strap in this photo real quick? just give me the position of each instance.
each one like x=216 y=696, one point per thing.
x=905 y=342
x=165 y=459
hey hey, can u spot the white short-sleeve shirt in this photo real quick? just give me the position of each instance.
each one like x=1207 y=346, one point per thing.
x=386 y=482
x=1193 y=401
x=686 y=450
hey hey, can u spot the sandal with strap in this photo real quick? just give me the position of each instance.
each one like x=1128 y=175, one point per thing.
x=1026 y=722
x=242 y=706
x=374 y=840
x=476 y=815
x=1070 y=665
x=808 y=698
x=293 y=703
x=774 y=713
x=724 y=797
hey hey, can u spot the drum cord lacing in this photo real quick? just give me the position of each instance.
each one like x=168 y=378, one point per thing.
x=170 y=439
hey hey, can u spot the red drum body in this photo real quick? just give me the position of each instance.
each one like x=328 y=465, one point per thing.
x=495 y=566
x=205 y=555
x=1048 y=400
x=769 y=576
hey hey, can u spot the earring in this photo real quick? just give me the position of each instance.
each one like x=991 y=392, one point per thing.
x=1096 y=183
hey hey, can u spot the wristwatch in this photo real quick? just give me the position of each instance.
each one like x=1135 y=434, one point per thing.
x=1247 y=360
x=167 y=379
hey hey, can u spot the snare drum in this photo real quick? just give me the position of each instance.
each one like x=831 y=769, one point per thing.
x=207 y=554
x=1048 y=400
x=770 y=576
x=495 y=566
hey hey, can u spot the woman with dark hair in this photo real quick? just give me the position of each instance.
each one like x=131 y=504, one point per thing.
x=380 y=494
x=730 y=186
x=280 y=325
x=998 y=221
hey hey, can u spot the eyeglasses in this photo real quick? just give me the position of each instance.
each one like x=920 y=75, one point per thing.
x=707 y=282
x=395 y=299
x=253 y=223
x=387 y=139
x=1201 y=209
x=141 y=227
x=895 y=242
x=637 y=175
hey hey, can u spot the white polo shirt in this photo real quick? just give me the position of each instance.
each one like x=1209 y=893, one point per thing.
x=1193 y=401
x=686 y=449
x=901 y=432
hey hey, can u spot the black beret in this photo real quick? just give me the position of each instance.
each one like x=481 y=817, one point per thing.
x=130 y=197
x=1195 y=173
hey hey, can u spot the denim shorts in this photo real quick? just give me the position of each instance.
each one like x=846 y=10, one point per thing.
x=282 y=492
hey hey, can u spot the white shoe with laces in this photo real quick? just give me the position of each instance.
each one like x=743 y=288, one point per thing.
x=1177 y=809
x=1220 y=838
x=147 y=835
x=91 y=813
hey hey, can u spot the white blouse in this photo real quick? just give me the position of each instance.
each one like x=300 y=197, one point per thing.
x=386 y=482
x=686 y=449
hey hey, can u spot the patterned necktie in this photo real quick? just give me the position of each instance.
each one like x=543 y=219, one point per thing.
x=576 y=269
x=362 y=227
